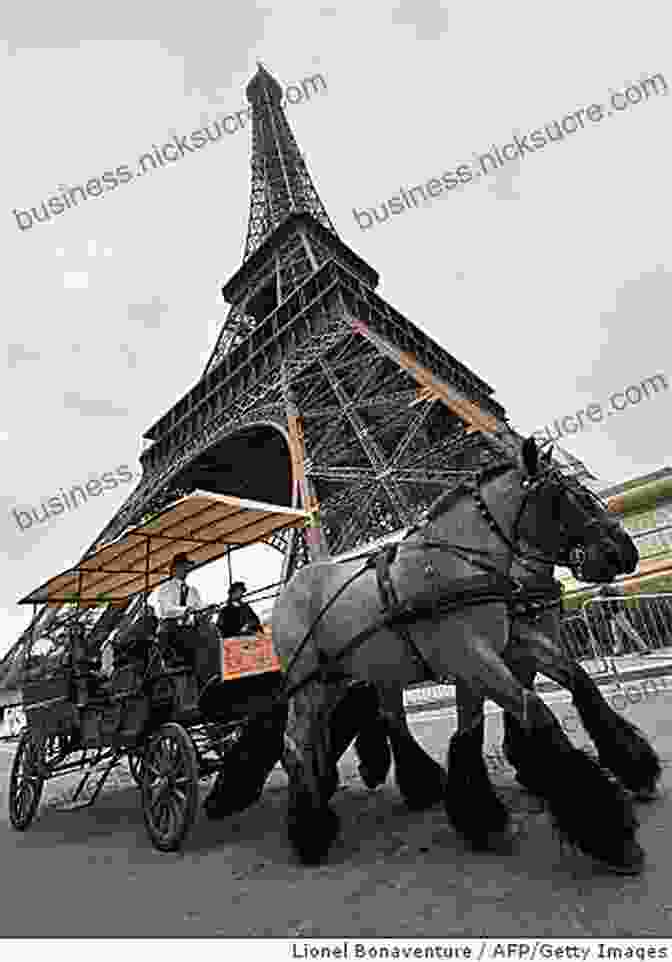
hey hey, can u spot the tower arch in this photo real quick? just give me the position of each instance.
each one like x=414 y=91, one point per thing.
x=252 y=462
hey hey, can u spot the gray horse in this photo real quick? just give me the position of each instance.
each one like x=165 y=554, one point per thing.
x=535 y=645
x=452 y=575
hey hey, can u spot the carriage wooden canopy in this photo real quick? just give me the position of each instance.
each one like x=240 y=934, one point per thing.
x=202 y=525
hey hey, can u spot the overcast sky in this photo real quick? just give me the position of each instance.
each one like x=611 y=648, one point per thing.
x=551 y=279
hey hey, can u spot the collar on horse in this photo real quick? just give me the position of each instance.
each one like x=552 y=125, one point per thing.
x=528 y=598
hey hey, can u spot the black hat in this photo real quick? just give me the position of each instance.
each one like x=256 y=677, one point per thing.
x=237 y=584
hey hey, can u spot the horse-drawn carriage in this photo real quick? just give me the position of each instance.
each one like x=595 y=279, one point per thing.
x=173 y=722
x=442 y=602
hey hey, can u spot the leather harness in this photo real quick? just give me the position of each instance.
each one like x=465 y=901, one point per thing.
x=523 y=598
x=530 y=600
x=390 y=600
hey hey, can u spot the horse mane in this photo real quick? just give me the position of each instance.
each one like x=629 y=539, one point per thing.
x=573 y=481
x=480 y=476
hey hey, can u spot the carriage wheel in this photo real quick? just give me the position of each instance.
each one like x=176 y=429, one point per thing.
x=170 y=787
x=136 y=765
x=26 y=781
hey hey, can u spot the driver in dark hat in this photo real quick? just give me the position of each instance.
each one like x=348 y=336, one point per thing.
x=237 y=617
x=175 y=602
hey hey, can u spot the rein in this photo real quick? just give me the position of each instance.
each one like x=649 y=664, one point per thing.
x=499 y=586
x=299 y=648
x=572 y=557
x=380 y=560
x=513 y=545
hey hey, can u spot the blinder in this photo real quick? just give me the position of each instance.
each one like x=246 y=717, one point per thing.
x=573 y=553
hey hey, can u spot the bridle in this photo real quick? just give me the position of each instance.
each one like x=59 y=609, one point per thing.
x=571 y=554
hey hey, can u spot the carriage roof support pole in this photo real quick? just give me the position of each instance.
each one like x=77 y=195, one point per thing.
x=228 y=562
x=33 y=639
x=318 y=549
x=80 y=664
x=147 y=557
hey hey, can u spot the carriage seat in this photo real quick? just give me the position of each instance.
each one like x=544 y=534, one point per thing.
x=133 y=644
x=125 y=678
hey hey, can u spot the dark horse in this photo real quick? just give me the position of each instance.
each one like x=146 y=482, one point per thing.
x=535 y=646
x=621 y=747
x=452 y=575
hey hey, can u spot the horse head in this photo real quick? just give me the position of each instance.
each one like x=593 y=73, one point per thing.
x=565 y=521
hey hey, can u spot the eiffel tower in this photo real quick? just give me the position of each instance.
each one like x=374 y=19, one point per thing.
x=387 y=418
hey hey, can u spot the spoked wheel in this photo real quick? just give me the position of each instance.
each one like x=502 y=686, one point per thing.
x=26 y=781
x=170 y=787
x=136 y=765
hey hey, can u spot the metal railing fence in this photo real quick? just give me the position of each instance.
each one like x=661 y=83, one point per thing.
x=630 y=624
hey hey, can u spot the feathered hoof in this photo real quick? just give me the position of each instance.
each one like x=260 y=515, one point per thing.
x=529 y=784
x=524 y=778
x=214 y=811
x=501 y=842
x=371 y=778
x=647 y=795
x=630 y=862
x=331 y=786
x=311 y=834
x=428 y=798
x=218 y=805
x=423 y=786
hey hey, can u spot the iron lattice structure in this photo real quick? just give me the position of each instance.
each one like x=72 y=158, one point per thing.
x=280 y=186
x=378 y=451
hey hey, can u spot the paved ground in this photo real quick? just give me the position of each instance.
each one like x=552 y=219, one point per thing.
x=392 y=873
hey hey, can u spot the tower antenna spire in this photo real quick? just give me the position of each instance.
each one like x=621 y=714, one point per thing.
x=281 y=184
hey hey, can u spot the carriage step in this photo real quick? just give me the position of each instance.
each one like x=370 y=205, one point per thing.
x=86 y=794
x=80 y=799
x=73 y=806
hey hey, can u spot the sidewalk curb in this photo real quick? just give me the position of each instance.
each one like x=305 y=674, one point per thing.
x=602 y=681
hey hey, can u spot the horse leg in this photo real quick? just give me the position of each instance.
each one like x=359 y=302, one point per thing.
x=372 y=746
x=378 y=714
x=471 y=803
x=358 y=717
x=622 y=747
x=420 y=779
x=308 y=760
x=523 y=666
x=246 y=767
x=587 y=807
x=373 y=750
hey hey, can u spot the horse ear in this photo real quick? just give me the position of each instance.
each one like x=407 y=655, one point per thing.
x=530 y=456
x=547 y=457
